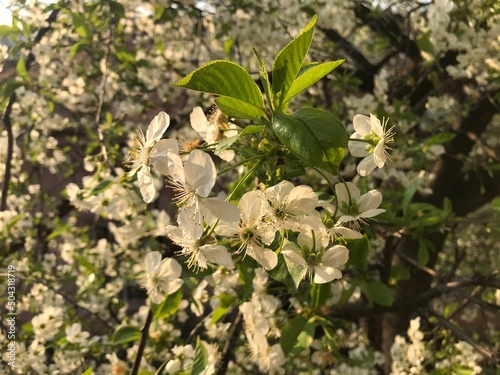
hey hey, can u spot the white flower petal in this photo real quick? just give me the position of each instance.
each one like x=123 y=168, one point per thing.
x=343 y=195
x=362 y=125
x=302 y=200
x=376 y=126
x=324 y=274
x=217 y=254
x=172 y=286
x=222 y=210
x=293 y=256
x=251 y=207
x=159 y=155
x=157 y=127
x=169 y=269
x=200 y=172
x=199 y=121
x=335 y=256
x=146 y=184
x=151 y=261
x=265 y=257
x=370 y=200
x=379 y=156
x=356 y=148
x=366 y=166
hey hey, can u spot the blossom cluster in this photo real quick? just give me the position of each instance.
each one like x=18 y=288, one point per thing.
x=281 y=219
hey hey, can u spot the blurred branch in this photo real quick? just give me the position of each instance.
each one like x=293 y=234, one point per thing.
x=102 y=94
x=387 y=24
x=360 y=309
x=461 y=334
x=8 y=110
x=142 y=343
x=227 y=353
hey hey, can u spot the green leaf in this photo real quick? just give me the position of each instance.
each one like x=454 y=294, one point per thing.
x=281 y=273
x=228 y=46
x=237 y=108
x=399 y=272
x=288 y=62
x=346 y=295
x=124 y=55
x=126 y=333
x=320 y=293
x=495 y=203
x=264 y=77
x=409 y=193
x=246 y=277
x=224 y=78
x=440 y=139
x=21 y=68
x=5 y=30
x=297 y=271
x=226 y=302
x=359 y=253
x=424 y=43
x=103 y=185
x=316 y=137
x=378 y=292
x=252 y=129
x=9 y=86
x=199 y=359
x=309 y=75
x=117 y=9
x=77 y=47
x=168 y=307
x=292 y=330
x=449 y=309
x=81 y=26
x=423 y=253
x=305 y=338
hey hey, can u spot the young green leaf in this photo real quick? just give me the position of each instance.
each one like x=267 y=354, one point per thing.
x=224 y=78
x=378 y=292
x=200 y=358
x=281 y=273
x=309 y=75
x=126 y=333
x=297 y=271
x=297 y=335
x=288 y=62
x=168 y=307
x=316 y=137
x=237 y=108
x=264 y=77
x=21 y=68
x=359 y=253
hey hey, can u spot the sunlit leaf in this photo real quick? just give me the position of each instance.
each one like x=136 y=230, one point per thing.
x=316 y=137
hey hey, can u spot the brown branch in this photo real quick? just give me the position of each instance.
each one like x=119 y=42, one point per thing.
x=236 y=324
x=142 y=343
x=461 y=334
x=8 y=110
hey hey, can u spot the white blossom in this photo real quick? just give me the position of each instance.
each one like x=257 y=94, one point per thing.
x=370 y=142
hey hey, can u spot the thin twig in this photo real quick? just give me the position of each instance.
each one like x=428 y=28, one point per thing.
x=236 y=325
x=461 y=334
x=100 y=104
x=142 y=343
